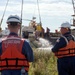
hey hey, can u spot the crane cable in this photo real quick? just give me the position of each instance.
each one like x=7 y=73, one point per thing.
x=39 y=12
x=4 y=13
x=21 y=16
x=73 y=6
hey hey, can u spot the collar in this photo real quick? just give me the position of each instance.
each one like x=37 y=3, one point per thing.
x=67 y=33
x=12 y=33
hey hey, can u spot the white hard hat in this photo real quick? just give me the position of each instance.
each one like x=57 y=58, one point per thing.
x=66 y=25
x=14 y=18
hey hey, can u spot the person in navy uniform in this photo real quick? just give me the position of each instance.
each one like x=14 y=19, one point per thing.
x=15 y=52
x=64 y=50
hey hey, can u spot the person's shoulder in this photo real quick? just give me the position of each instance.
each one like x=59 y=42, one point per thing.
x=61 y=39
x=3 y=38
x=70 y=37
x=25 y=41
x=73 y=37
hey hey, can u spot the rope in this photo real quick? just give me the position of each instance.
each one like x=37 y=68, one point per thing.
x=73 y=6
x=39 y=12
x=21 y=16
x=4 y=13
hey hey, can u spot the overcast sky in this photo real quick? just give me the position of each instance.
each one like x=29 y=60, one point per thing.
x=53 y=12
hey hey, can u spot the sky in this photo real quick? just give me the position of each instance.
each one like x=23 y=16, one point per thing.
x=53 y=12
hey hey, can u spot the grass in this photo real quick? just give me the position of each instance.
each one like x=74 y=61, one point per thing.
x=44 y=63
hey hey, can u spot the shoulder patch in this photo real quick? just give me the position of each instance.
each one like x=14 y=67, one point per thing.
x=58 y=40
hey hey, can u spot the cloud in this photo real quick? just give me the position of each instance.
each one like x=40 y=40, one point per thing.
x=55 y=9
x=49 y=9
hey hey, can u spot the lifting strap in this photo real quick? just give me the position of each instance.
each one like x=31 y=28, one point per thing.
x=4 y=13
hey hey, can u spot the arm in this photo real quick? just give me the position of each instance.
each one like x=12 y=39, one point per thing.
x=60 y=43
x=0 y=48
x=27 y=51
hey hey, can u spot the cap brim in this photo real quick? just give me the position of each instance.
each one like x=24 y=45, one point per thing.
x=13 y=20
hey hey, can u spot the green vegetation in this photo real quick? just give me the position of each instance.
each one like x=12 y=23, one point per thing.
x=44 y=63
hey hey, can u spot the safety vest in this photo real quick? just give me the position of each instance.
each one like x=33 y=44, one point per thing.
x=39 y=28
x=69 y=50
x=12 y=57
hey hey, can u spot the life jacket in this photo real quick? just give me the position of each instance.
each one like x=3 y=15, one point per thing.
x=38 y=28
x=12 y=57
x=69 y=50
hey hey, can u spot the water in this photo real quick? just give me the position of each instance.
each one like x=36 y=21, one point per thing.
x=46 y=48
x=46 y=45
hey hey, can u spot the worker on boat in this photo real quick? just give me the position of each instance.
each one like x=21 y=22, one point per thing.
x=25 y=35
x=64 y=50
x=33 y=23
x=15 y=52
x=39 y=29
x=47 y=34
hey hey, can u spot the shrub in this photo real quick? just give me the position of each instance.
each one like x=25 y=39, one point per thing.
x=44 y=63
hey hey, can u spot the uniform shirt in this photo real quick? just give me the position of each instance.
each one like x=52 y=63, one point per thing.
x=26 y=49
x=61 y=42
